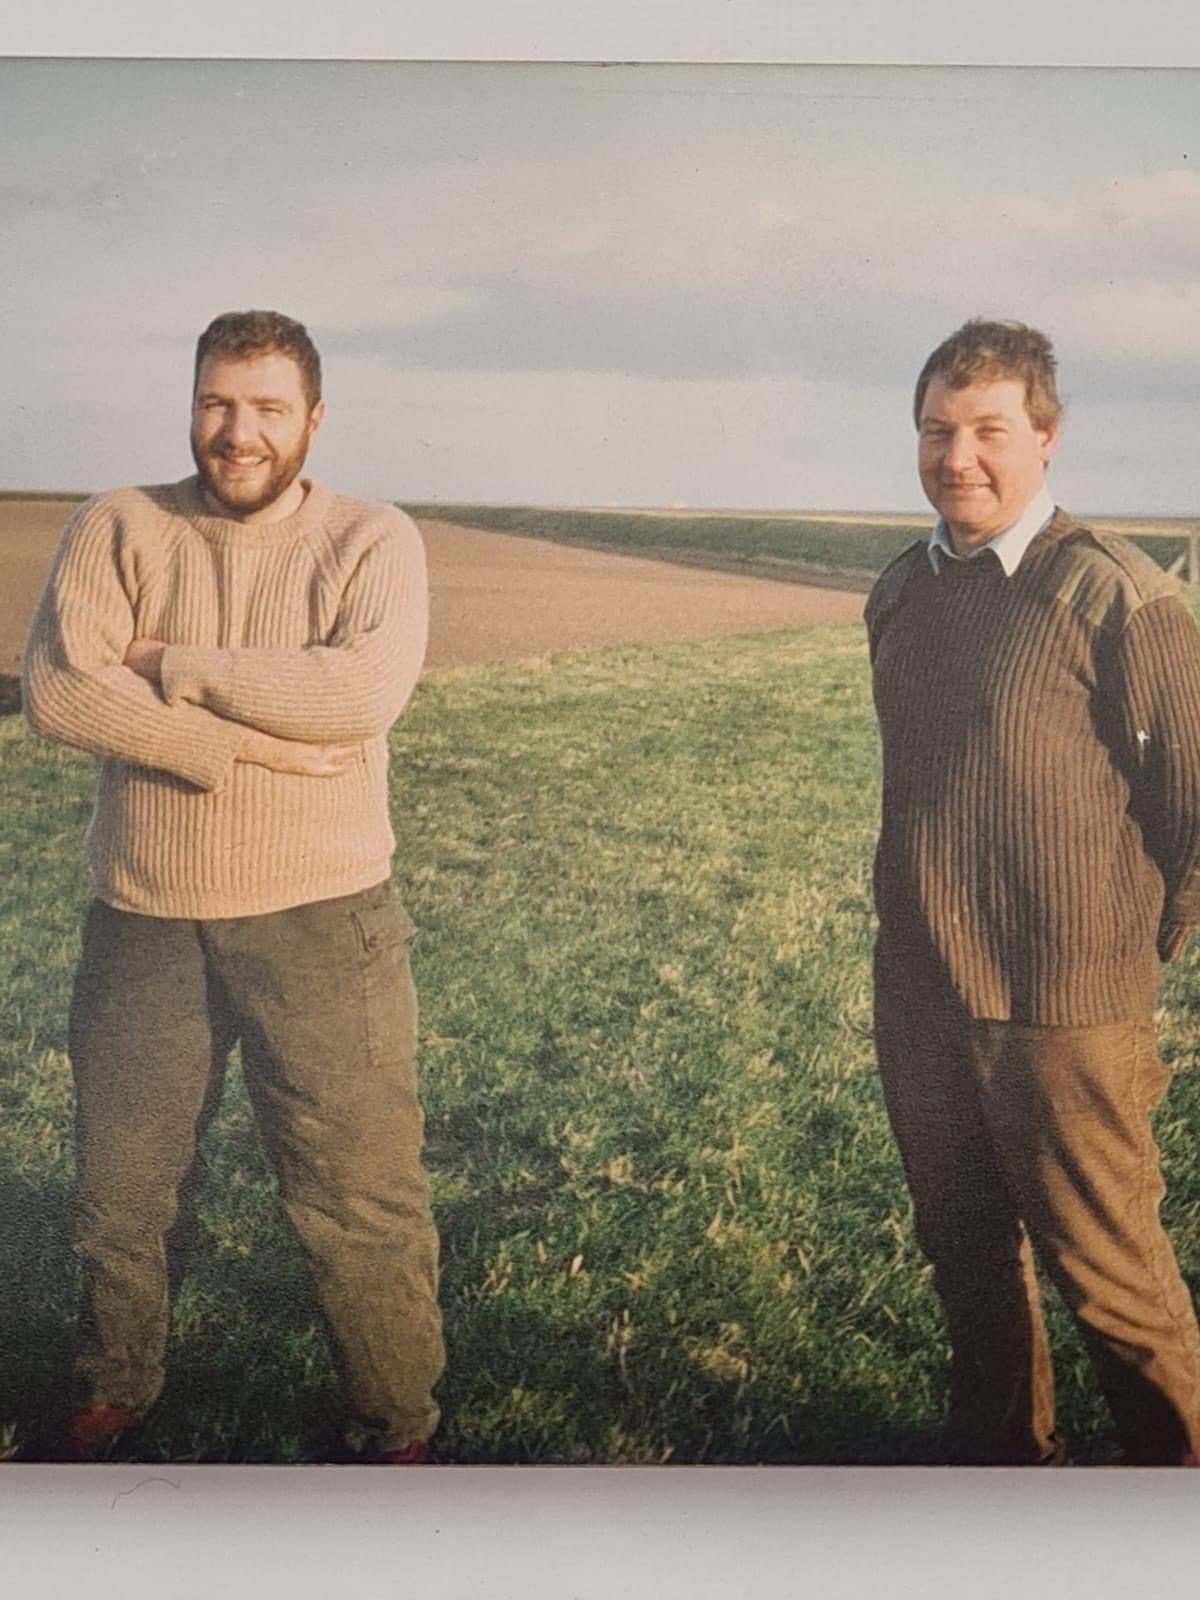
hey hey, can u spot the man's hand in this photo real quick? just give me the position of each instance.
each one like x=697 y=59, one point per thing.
x=293 y=756
x=144 y=657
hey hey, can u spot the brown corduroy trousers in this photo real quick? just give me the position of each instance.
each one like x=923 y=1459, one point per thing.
x=322 y=1000
x=1013 y=1136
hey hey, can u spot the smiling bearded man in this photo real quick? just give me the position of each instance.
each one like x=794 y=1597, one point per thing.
x=234 y=649
x=253 y=421
x=1038 y=692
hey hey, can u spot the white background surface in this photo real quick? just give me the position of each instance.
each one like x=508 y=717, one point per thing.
x=188 y=1534
x=1022 y=32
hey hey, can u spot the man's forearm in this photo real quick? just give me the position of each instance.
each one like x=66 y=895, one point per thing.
x=108 y=711
x=74 y=686
x=322 y=693
x=244 y=684
x=254 y=747
x=204 y=755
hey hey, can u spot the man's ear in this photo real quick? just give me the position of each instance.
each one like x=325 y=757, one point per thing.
x=1050 y=438
x=315 y=418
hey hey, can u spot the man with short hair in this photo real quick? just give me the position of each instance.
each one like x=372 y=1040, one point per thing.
x=1038 y=693
x=234 y=649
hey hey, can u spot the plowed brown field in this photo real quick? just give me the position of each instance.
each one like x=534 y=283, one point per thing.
x=495 y=596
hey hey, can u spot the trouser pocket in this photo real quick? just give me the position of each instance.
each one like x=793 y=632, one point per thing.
x=383 y=932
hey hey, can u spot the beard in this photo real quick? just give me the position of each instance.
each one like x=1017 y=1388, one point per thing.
x=242 y=494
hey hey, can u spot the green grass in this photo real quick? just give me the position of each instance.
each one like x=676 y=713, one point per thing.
x=855 y=552
x=72 y=496
x=851 y=550
x=674 y=1226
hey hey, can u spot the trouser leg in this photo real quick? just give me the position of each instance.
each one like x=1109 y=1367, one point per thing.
x=328 y=1016
x=1069 y=1113
x=186 y=1231
x=968 y=1225
x=142 y=1059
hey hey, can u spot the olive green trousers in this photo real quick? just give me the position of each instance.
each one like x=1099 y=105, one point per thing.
x=321 y=998
x=1017 y=1136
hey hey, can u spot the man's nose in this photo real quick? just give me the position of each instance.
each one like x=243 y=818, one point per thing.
x=239 y=427
x=960 y=450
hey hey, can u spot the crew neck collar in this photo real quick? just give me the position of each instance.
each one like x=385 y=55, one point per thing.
x=227 y=530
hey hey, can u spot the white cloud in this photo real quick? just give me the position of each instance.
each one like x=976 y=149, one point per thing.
x=1147 y=324
x=1172 y=196
x=584 y=238
x=615 y=285
x=324 y=304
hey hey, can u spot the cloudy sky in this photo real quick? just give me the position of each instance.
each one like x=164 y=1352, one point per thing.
x=693 y=285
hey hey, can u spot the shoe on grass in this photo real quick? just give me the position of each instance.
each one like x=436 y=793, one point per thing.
x=94 y=1429
x=415 y=1454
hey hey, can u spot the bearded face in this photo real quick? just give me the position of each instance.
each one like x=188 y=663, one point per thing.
x=252 y=428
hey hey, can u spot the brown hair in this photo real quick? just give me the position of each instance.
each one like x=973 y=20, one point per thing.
x=238 y=335
x=989 y=350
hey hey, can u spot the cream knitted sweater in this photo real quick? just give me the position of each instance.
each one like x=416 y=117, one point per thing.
x=312 y=628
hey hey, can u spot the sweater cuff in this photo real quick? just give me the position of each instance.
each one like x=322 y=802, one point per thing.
x=203 y=750
x=191 y=672
x=1173 y=938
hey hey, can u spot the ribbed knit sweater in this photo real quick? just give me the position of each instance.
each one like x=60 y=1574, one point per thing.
x=1040 y=840
x=312 y=629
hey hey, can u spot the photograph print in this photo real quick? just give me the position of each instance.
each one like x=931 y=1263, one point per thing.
x=602 y=760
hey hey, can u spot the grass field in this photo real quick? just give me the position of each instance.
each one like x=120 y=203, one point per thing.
x=856 y=550
x=673 y=1223
x=847 y=548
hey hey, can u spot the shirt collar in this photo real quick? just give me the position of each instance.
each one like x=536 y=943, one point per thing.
x=1010 y=545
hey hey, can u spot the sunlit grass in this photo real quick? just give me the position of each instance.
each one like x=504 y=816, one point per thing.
x=674 y=1226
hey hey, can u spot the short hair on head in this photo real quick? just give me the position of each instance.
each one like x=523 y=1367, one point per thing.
x=982 y=349
x=242 y=335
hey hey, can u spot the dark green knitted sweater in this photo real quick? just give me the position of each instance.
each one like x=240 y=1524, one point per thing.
x=1040 y=843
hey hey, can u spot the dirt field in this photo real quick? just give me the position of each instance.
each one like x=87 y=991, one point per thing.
x=495 y=597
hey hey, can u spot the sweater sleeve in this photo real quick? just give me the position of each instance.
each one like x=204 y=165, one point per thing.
x=352 y=687
x=1159 y=663
x=75 y=688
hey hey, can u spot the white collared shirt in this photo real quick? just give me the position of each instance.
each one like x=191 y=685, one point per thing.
x=1010 y=545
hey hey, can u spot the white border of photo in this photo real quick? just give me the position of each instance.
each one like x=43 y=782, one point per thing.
x=574 y=1534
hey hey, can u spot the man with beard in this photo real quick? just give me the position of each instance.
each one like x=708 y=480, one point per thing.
x=234 y=649
x=1038 y=691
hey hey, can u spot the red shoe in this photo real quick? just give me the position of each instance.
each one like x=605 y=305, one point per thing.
x=415 y=1454
x=92 y=1430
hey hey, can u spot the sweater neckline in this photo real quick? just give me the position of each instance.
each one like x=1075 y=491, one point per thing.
x=226 y=531
x=972 y=569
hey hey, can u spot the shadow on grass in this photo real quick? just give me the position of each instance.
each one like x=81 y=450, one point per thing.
x=536 y=1379
x=249 y=1374
x=39 y=1278
x=246 y=1392
x=524 y=1388
x=251 y=1378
